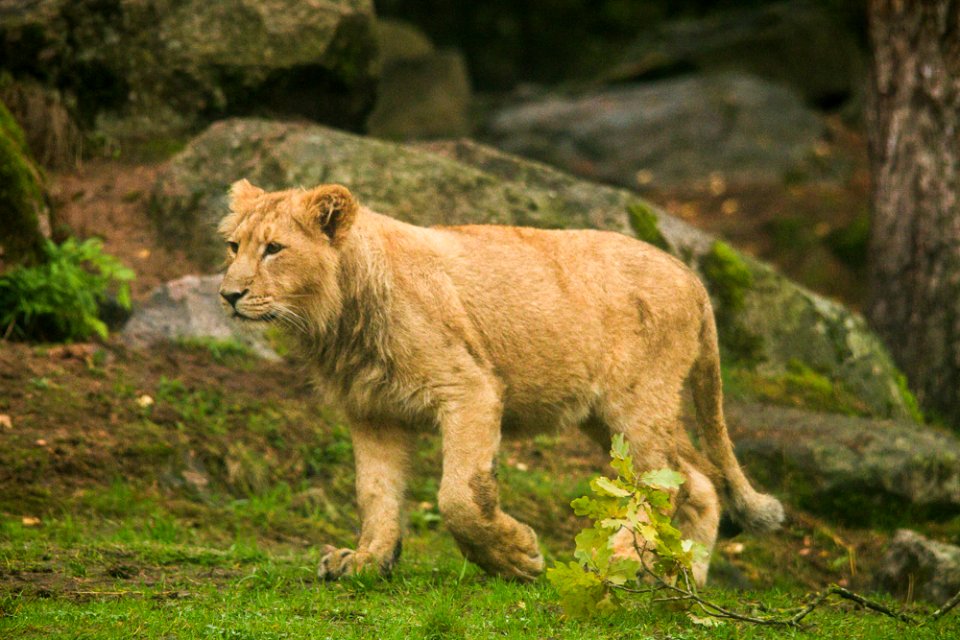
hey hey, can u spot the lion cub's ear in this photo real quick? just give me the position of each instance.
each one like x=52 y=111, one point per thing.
x=242 y=192
x=333 y=207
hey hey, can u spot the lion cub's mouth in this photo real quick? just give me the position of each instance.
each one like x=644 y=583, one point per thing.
x=265 y=317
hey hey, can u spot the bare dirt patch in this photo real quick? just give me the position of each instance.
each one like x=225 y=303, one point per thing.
x=108 y=199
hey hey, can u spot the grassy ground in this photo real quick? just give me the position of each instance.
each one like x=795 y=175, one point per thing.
x=184 y=493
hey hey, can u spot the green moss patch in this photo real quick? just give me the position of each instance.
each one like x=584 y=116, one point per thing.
x=21 y=195
x=800 y=386
x=729 y=278
x=644 y=223
x=910 y=400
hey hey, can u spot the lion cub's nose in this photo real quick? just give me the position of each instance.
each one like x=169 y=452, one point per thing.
x=233 y=296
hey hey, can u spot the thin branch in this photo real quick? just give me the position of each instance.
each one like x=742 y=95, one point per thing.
x=947 y=606
x=846 y=594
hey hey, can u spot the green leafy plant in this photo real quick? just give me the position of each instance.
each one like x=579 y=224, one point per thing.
x=59 y=299
x=640 y=504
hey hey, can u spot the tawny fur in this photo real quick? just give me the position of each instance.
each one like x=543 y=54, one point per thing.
x=483 y=330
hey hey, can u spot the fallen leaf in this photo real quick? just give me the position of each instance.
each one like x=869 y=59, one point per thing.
x=145 y=401
x=41 y=442
x=644 y=177
x=718 y=186
x=6 y=422
x=30 y=521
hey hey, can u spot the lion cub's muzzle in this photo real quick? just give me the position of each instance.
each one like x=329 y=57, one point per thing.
x=243 y=307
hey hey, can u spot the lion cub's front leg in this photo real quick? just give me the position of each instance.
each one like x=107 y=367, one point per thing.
x=382 y=455
x=469 y=499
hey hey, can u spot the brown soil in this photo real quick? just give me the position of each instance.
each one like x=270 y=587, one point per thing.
x=108 y=199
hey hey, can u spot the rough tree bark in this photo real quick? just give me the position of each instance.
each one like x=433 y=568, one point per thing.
x=913 y=116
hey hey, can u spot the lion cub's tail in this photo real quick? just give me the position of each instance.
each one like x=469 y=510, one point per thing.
x=752 y=510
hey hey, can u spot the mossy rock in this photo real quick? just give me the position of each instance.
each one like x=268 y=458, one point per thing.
x=856 y=470
x=23 y=206
x=168 y=65
x=461 y=182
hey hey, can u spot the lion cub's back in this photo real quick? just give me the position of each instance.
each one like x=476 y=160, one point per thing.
x=579 y=289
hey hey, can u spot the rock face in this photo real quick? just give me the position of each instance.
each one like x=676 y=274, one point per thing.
x=422 y=97
x=857 y=470
x=164 y=64
x=666 y=132
x=423 y=93
x=799 y=43
x=188 y=308
x=932 y=568
x=459 y=182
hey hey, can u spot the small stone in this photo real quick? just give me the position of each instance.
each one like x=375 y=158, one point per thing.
x=932 y=568
x=30 y=521
x=144 y=401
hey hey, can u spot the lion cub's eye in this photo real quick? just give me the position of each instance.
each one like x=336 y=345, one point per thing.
x=234 y=246
x=272 y=248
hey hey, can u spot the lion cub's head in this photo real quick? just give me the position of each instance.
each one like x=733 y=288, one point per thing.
x=283 y=252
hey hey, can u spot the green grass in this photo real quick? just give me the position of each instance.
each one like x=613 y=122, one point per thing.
x=132 y=564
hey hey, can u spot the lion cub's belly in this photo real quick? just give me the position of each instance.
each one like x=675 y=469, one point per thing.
x=528 y=415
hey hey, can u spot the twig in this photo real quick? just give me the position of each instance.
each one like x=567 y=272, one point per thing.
x=688 y=592
x=947 y=606
x=869 y=604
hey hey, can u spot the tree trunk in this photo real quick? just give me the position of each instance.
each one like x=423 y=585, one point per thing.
x=913 y=115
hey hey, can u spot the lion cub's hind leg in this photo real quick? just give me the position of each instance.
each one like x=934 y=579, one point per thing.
x=650 y=422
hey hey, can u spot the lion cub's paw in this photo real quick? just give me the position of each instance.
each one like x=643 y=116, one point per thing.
x=523 y=565
x=517 y=559
x=336 y=563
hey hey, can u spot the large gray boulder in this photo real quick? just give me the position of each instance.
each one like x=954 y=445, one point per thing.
x=930 y=569
x=188 y=308
x=857 y=470
x=676 y=131
x=140 y=66
x=766 y=321
x=799 y=43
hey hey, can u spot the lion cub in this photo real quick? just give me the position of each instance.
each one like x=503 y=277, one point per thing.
x=477 y=331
